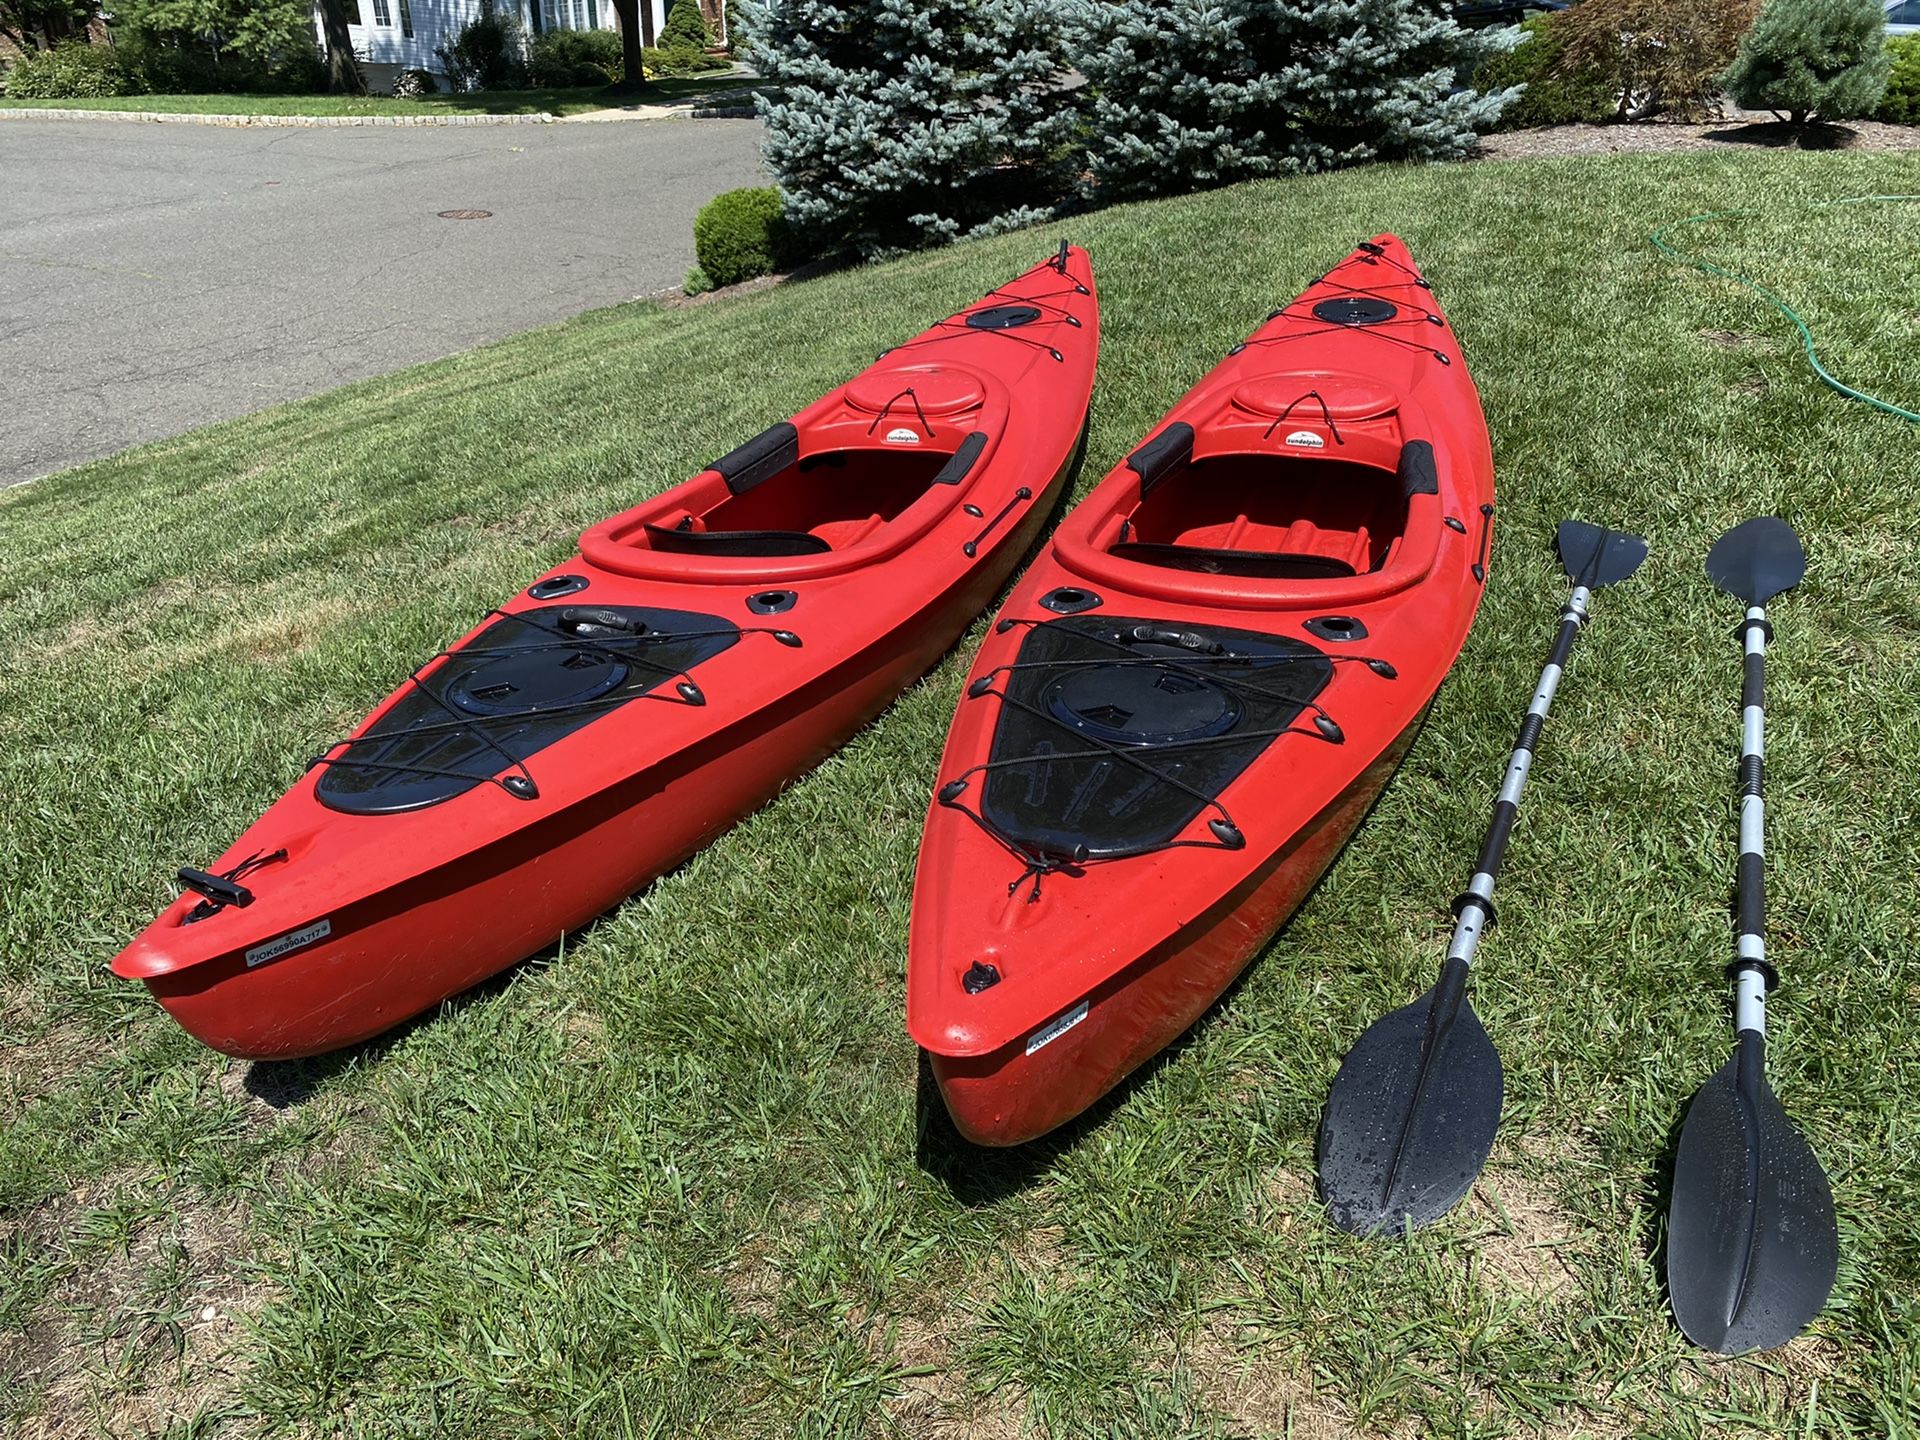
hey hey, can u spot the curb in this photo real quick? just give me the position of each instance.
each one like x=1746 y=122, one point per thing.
x=299 y=122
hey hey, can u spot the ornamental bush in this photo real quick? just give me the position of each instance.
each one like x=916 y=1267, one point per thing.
x=899 y=123
x=563 y=58
x=685 y=27
x=1901 y=106
x=71 y=71
x=414 y=85
x=1190 y=93
x=1655 y=56
x=740 y=234
x=1813 y=60
x=1550 y=97
x=488 y=53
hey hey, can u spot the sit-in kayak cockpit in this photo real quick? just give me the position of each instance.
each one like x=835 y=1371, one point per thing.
x=899 y=455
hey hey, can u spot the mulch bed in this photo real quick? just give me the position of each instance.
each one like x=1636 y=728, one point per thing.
x=1735 y=128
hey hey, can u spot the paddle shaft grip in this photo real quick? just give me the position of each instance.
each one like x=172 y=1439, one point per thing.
x=1753 y=976
x=1474 y=909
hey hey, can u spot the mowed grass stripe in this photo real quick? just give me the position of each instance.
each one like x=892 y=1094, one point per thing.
x=682 y=1176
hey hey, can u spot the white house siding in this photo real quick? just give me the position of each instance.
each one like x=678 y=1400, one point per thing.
x=379 y=27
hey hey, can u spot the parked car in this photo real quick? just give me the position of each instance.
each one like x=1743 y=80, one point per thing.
x=1903 y=17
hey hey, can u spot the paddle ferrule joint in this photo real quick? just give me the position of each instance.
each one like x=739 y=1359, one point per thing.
x=1474 y=915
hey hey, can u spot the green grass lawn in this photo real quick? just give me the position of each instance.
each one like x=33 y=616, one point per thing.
x=680 y=1177
x=480 y=102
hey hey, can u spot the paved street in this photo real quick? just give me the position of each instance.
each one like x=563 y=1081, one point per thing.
x=158 y=277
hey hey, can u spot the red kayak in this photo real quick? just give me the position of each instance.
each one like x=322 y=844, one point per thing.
x=1193 y=696
x=702 y=650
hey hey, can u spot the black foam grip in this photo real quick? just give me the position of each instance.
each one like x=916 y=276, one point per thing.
x=1753 y=682
x=1495 y=845
x=1563 y=642
x=1753 y=895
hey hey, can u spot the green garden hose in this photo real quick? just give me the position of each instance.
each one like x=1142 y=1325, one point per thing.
x=1666 y=247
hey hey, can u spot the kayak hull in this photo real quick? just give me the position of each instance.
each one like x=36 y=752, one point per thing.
x=1190 y=700
x=699 y=653
x=1016 y=1094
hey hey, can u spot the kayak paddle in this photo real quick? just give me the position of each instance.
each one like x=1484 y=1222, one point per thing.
x=1751 y=1243
x=1411 y=1115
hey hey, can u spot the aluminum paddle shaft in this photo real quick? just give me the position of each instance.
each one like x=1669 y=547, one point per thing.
x=1412 y=1114
x=1474 y=908
x=1752 y=1245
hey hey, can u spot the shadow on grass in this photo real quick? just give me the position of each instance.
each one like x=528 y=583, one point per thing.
x=1785 y=135
x=285 y=1084
x=1656 y=1197
x=979 y=1175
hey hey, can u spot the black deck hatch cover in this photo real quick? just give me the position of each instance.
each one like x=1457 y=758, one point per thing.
x=1195 y=703
x=525 y=681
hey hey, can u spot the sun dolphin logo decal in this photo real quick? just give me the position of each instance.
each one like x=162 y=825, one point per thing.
x=1306 y=440
x=903 y=436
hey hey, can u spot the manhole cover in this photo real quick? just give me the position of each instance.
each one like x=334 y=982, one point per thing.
x=466 y=214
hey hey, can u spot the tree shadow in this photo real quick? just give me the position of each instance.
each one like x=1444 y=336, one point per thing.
x=287 y=1084
x=1656 y=1200
x=1784 y=135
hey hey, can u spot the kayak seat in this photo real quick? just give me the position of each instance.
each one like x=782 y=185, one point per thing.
x=1248 y=564
x=684 y=540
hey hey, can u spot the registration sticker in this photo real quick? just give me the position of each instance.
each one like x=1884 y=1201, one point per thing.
x=288 y=943
x=1056 y=1027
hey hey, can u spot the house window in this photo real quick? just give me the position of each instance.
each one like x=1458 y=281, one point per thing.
x=406 y=19
x=593 y=14
x=382 y=13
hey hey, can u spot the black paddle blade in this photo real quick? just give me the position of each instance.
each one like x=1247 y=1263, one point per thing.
x=1757 y=559
x=1411 y=1115
x=1751 y=1243
x=1594 y=557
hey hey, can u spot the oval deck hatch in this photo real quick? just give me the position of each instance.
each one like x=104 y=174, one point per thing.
x=939 y=391
x=1347 y=399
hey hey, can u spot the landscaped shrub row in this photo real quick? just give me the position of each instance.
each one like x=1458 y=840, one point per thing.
x=167 y=47
x=1630 y=59
x=564 y=59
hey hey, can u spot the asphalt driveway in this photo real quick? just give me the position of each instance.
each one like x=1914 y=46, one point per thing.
x=158 y=277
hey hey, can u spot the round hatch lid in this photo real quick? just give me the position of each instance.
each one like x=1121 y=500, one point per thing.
x=1346 y=399
x=938 y=391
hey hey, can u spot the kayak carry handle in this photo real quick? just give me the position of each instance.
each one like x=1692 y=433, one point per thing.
x=216 y=890
x=1185 y=639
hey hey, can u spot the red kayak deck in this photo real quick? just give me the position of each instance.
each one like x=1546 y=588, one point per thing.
x=1193 y=696
x=702 y=650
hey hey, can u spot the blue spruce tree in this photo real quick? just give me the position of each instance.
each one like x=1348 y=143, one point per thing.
x=901 y=123
x=1190 y=93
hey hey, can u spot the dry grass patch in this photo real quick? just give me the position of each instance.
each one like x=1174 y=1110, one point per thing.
x=1254 y=1393
x=145 y=1337
x=1532 y=1236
